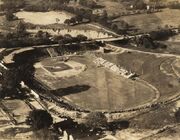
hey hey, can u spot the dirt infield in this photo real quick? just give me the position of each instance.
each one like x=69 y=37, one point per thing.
x=56 y=68
x=96 y=88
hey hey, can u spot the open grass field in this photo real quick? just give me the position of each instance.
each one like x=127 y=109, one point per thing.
x=148 y=67
x=97 y=88
x=149 y=22
x=173 y=44
x=112 y=7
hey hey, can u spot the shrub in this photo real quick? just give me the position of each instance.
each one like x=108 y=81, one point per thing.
x=39 y=119
x=96 y=120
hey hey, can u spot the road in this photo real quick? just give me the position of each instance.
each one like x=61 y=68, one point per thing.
x=9 y=58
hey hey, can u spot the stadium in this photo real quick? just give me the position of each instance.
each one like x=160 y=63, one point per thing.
x=81 y=83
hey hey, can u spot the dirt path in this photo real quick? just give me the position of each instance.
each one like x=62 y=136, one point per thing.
x=177 y=64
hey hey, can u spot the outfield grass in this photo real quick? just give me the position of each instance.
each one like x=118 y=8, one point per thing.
x=148 y=67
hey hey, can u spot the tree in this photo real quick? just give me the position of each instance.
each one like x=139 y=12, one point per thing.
x=139 y=4
x=39 y=119
x=39 y=34
x=67 y=38
x=148 y=43
x=27 y=71
x=81 y=38
x=79 y=18
x=42 y=36
x=67 y=21
x=21 y=29
x=88 y=3
x=58 y=38
x=12 y=4
x=10 y=82
x=162 y=34
x=114 y=27
x=10 y=16
x=177 y=115
x=96 y=120
x=73 y=20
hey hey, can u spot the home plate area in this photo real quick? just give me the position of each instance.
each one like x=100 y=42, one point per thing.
x=58 y=68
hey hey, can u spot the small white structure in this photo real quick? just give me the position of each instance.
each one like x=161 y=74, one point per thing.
x=65 y=136
x=148 y=7
x=34 y=94
x=71 y=137
x=23 y=85
x=3 y=66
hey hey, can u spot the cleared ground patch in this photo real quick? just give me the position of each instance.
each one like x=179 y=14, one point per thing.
x=97 y=88
x=44 y=18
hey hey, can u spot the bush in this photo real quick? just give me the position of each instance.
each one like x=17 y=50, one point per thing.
x=13 y=5
x=39 y=119
x=174 y=5
x=162 y=34
x=80 y=38
x=88 y=3
x=96 y=120
x=139 y=4
x=10 y=16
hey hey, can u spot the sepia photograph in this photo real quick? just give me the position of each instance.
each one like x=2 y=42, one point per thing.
x=89 y=69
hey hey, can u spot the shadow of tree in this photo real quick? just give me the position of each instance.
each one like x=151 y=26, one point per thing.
x=123 y=124
x=71 y=90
